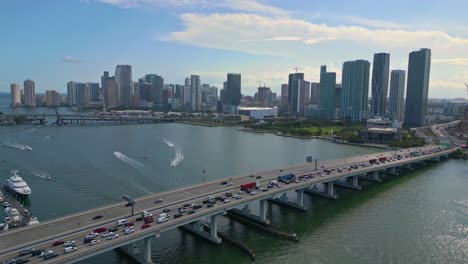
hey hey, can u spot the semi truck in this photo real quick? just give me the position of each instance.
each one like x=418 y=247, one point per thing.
x=286 y=178
x=249 y=186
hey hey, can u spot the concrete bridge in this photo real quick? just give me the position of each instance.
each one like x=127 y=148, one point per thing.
x=138 y=244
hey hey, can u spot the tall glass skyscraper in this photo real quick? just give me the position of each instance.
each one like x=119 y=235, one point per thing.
x=195 y=93
x=397 y=92
x=123 y=78
x=327 y=93
x=417 y=88
x=355 y=90
x=380 y=74
x=291 y=79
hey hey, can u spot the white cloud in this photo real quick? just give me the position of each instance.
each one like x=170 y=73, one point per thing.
x=453 y=61
x=373 y=23
x=71 y=59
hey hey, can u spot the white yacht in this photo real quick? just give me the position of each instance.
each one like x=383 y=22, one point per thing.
x=17 y=185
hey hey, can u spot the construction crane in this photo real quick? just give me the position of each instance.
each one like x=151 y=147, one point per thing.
x=259 y=83
x=296 y=69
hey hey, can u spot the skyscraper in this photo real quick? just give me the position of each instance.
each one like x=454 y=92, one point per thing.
x=15 y=94
x=109 y=90
x=123 y=78
x=314 y=93
x=380 y=74
x=29 y=93
x=195 y=93
x=158 y=87
x=284 y=97
x=355 y=90
x=417 y=87
x=327 y=93
x=231 y=94
x=397 y=90
x=292 y=77
x=94 y=93
x=52 y=98
x=299 y=97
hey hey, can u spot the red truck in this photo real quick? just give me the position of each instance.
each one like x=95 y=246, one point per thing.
x=382 y=158
x=248 y=186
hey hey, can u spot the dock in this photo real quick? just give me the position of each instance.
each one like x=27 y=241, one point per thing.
x=15 y=202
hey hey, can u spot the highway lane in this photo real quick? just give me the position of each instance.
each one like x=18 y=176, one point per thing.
x=187 y=194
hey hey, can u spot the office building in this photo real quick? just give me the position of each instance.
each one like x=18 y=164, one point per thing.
x=52 y=98
x=15 y=91
x=109 y=90
x=195 y=93
x=233 y=89
x=29 y=93
x=94 y=92
x=380 y=74
x=314 y=93
x=299 y=98
x=156 y=89
x=355 y=90
x=417 y=88
x=123 y=79
x=292 y=77
x=284 y=97
x=327 y=94
x=397 y=90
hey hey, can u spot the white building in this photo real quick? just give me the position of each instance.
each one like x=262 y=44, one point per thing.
x=15 y=94
x=258 y=112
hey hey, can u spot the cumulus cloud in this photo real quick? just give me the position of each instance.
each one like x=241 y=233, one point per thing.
x=71 y=59
x=453 y=61
x=373 y=23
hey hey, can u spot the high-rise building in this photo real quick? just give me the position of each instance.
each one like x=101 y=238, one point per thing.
x=94 y=93
x=195 y=93
x=233 y=89
x=355 y=90
x=417 y=87
x=82 y=94
x=52 y=98
x=71 y=94
x=397 y=91
x=292 y=77
x=179 y=91
x=284 y=97
x=109 y=90
x=380 y=75
x=187 y=81
x=327 y=93
x=314 y=93
x=263 y=96
x=29 y=93
x=123 y=78
x=299 y=97
x=157 y=89
x=15 y=90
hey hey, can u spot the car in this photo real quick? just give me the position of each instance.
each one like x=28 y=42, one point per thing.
x=94 y=242
x=45 y=252
x=226 y=201
x=240 y=192
x=251 y=176
x=36 y=252
x=196 y=206
x=190 y=212
x=129 y=224
x=209 y=197
x=186 y=205
x=177 y=215
x=107 y=234
x=112 y=236
x=100 y=230
x=209 y=205
x=21 y=261
x=228 y=194
x=264 y=190
x=145 y=226
x=254 y=192
x=129 y=230
x=258 y=177
x=70 y=249
x=50 y=255
x=113 y=229
x=10 y=261
x=92 y=235
x=149 y=220
x=182 y=210
x=224 y=182
x=87 y=240
x=97 y=217
x=139 y=219
x=57 y=243
x=158 y=201
x=70 y=243
x=239 y=197
x=25 y=251
x=229 y=184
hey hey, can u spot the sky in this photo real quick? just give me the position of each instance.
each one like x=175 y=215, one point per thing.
x=56 y=41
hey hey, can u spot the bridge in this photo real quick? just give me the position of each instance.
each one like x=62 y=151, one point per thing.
x=328 y=174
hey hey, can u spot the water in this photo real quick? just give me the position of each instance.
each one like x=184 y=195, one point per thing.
x=420 y=217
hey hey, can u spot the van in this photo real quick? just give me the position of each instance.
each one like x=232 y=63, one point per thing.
x=122 y=222
x=163 y=215
x=162 y=220
x=145 y=214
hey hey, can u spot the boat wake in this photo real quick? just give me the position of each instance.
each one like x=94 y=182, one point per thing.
x=43 y=139
x=16 y=146
x=128 y=160
x=30 y=130
x=42 y=175
x=169 y=143
x=179 y=156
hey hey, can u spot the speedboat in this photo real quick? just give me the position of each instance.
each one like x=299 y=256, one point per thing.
x=17 y=185
x=6 y=204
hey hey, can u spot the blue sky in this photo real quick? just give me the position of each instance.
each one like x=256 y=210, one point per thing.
x=53 y=42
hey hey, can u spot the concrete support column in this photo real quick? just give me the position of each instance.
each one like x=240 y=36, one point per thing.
x=393 y=170
x=262 y=212
x=300 y=197
x=246 y=208
x=213 y=227
x=284 y=196
x=355 y=181
x=147 y=250
x=375 y=175
x=330 y=190
x=197 y=226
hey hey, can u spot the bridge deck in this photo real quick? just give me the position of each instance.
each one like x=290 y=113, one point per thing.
x=76 y=226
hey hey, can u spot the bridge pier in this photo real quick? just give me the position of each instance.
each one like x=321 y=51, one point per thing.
x=284 y=200
x=140 y=254
x=329 y=192
x=197 y=229
x=247 y=213
x=354 y=185
x=373 y=178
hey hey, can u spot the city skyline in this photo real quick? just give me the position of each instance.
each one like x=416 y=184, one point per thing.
x=270 y=57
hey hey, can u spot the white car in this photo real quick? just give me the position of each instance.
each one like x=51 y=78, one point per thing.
x=69 y=243
x=229 y=184
x=94 y=242
x=107 y=234
x=209 y=197
x=46 y=252
x=92 y=235
x=239 y=197
x=240 y=192
x=129 y=230
x=70 y=249
x=254 y=192
x=226 y=201
x=112 y=236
